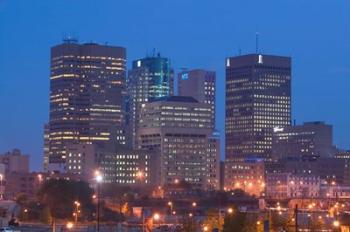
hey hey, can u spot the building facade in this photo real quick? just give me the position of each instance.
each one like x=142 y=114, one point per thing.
x=258 y=98
x=15 y=161
x=149 y=78
x=178 y=128
x=286 y=185
x=199 y=84
x=86 y=96
x=312 y=139
x=46 y=150
x=246 y=173
x=328 y=169
x=213 y=161
x=118 y=165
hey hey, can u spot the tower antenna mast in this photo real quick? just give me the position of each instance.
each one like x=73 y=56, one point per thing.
x=256 y=42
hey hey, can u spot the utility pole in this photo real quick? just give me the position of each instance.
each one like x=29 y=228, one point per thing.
x=296 y=217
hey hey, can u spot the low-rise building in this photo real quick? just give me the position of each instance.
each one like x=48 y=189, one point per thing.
x=246 y=173
x=311 y=139
x=328 y=169
x=117 y=164
x=287 y=185
x=15 y=161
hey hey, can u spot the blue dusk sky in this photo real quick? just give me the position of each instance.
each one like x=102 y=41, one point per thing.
x=193 y=34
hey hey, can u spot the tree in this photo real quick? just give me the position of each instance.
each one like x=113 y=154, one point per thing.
x=213 y=220
x=189 y=225
x=234 y=222
x=59 y=196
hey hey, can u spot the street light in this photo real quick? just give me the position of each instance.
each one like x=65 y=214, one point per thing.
x=205 y=228
x=170 y=204
x=230 y=210
x=336 y=223
x=1 y=187
x=156 y=217
x=69 y=225
x=99 y=180
x=77 y=211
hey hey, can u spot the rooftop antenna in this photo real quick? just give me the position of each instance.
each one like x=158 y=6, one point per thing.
x=256 y=42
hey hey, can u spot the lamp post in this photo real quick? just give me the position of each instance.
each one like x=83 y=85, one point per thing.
x=1 y=187
x=99 y=180
x=77 y=211
x=156 y=217
x=170 y=204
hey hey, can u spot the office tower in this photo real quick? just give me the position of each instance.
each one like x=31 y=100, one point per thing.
x=177 y=129
x=86 y=96
x=149 y=78
x=46 y=147
x=213 y=161
x=258 y=98
x=199 y=84
x=309 y=140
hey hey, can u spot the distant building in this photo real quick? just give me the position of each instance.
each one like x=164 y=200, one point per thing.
x=30 y=183
x=15 y=161
x=131 y=167
x=117 y=165
x=149 y=78
x=179 y=129
x=246 y=173
x=213 y=161
x=199 y=84
x=342 y=154
x=46 y=147
x=312 y=139
x=82 y=160
x=86 y=97
x=328 y=169
x=287 y=185
x=258 y=99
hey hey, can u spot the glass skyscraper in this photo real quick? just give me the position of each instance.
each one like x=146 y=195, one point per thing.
x=150 y=78
x=86 y=96
x=258 y=99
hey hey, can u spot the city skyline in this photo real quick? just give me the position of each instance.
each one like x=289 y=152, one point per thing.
x=309 y=101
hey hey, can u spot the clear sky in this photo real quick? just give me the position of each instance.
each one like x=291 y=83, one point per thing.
x=193 y=34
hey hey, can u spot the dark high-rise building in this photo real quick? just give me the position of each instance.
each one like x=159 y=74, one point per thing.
x=199 y=84
x=258 y=98
x=310 y=140
x=86 y=96
x=150 y=78
x=46 y=147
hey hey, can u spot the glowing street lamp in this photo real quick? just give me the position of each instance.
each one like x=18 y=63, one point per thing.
x=336 y=223
x=170 y=204
x=69 y=225
x=77 y=211
x=230 y=210
x=99 y=179
x=205 y=228
x=156 y=216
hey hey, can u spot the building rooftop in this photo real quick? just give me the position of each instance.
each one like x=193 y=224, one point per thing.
x=175 y=99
